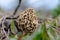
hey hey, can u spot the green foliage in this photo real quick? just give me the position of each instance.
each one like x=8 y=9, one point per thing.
x=12 y=36
x=55 y=23
x=38 y=37
x=43 y=35
x=13 y=28
x=52 y=32
x=56 y=12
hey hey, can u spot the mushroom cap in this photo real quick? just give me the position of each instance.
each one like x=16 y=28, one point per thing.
x=28 y=21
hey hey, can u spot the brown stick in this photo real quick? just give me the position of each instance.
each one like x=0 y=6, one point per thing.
x=20 y=37
x=17 y=7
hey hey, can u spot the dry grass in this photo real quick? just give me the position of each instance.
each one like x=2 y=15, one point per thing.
x=10 y=13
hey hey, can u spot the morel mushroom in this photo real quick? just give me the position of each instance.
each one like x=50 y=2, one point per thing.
x=28 y=21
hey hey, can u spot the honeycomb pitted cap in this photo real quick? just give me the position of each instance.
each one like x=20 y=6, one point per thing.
x=28 y=21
